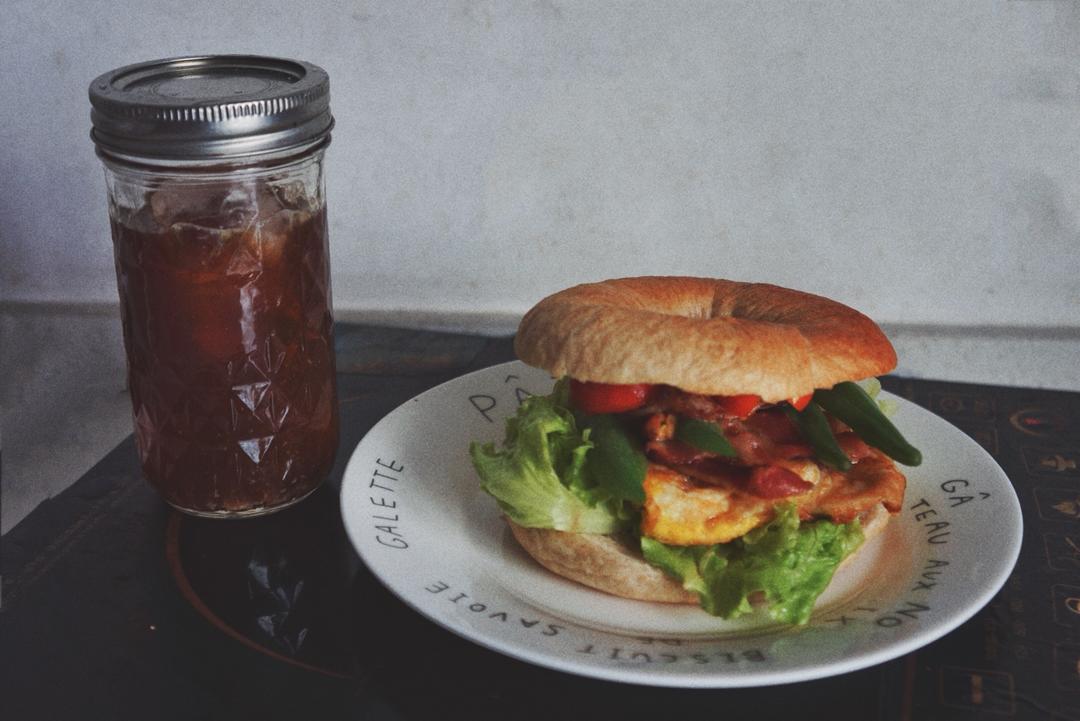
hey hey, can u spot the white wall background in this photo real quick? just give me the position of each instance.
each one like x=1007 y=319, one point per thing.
x=918 y=160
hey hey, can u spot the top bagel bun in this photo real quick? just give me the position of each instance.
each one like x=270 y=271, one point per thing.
x=708 y=336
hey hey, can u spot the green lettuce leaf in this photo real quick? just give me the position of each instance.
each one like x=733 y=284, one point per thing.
x=790 y=563
x=539 y=476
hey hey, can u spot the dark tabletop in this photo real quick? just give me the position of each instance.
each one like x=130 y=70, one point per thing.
x=115 y=607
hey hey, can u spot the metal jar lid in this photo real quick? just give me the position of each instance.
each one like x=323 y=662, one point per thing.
x=210 y=107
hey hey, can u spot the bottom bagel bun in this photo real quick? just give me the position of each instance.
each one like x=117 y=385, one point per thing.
x=600 y=562
x=607 y=564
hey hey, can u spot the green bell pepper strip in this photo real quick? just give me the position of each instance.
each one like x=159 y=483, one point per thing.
x=616 y=462
x=815 y=429
x=704 y=436
x=852 y=405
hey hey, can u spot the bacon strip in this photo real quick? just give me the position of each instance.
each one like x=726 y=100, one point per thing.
x=687 y=405
x=762 y=438
x=675 y=453
x=776 y=482
x=762 y=442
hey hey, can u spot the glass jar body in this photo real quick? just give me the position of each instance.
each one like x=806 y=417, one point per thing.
x=223 y=274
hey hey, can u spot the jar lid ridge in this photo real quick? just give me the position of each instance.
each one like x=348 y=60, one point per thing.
x=210 y=107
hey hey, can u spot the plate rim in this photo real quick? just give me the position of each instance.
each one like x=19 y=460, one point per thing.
x=648 y=676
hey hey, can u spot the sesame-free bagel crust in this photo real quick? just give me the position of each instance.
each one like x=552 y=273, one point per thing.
x=604 y=563
x=600 y=562
x=709 y=336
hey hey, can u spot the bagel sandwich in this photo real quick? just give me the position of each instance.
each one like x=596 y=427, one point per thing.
x=707 y=441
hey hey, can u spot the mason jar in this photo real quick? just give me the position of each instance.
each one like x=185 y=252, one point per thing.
x=214 y=174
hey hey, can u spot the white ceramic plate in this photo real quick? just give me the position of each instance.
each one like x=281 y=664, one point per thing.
x=414 y=510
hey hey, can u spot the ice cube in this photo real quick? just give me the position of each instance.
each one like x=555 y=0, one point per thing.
x=233 y=228
x=248 y=203
x=194 y=247
x=292 y=195
x=239 y=207
x=140 y=220
x=246 y=260
x=273 y=233
x=182 y=203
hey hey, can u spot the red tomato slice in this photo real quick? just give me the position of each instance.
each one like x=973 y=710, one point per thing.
x=594 y=398
x=801 y=402
x=738 y=406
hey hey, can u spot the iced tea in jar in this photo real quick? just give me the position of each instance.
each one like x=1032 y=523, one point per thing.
x=214 y=170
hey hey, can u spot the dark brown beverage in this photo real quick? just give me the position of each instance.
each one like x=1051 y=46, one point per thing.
x=225 y=297
x=214 y=168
